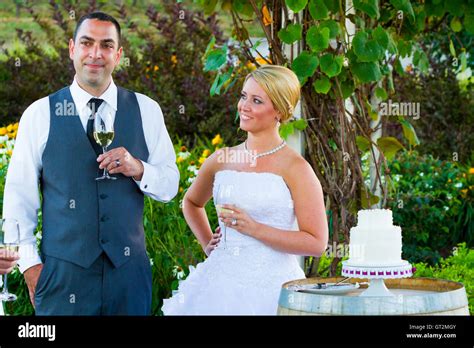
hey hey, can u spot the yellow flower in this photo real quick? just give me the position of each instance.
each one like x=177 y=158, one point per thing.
x=181 y=189
x=217 y=140
x=471 y=170
x=206 y=153
x=15 y=126
x=9 y=152
x=10 y=128
x=156 y=68
x=201 y=160
x=464 y=192
x=3 y=131
x=174 y=60
x=179 y=159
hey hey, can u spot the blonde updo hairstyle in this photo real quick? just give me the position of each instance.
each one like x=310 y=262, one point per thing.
x=282 y=87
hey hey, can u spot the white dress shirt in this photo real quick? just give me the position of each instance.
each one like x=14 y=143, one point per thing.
x=160 y=179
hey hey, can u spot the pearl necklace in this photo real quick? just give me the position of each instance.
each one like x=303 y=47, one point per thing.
x=272 y=151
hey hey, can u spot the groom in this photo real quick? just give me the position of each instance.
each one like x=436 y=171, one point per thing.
x=93 y=257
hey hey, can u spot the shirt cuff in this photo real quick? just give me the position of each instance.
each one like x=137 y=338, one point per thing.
x=29 y=257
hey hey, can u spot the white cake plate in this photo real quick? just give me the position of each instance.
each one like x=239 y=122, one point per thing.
x=376 y=275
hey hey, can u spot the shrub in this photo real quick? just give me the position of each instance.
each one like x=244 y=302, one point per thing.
x=458 y=267
x=433 y=203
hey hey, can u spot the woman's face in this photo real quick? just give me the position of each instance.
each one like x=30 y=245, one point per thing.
x=255 y=108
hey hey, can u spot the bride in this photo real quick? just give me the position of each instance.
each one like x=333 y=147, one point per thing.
x=272 y=210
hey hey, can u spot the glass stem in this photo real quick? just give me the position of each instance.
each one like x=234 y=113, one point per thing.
x=5 y=284
x=104 y=150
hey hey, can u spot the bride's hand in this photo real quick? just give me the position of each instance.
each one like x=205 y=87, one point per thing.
x=239 y=220
x=216 y=237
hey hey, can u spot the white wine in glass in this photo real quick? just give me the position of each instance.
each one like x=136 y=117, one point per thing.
x=104 y=135
x=9 y=242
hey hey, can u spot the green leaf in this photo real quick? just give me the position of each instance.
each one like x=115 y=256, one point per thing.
x=305 y=65
x=215 y=59
x=291 y=33
x=347 y=88
x=404 y=47
x=367 y=199
x=296 y=5
x=389 y=146
x=381 y=93
x=365 y=49
x=318 y=9
x=420 y=59
x=332 y=144
x=210 y=46
x=300 y=124
x=381 y=36
x=333 y=26
x=405 y=7
x=323 y=85
x=454 y=7
x=209 y=6
x=370 y=7
x=243 y=7
x=333 y=6
x=286 y=129
x=451 y=48
x=456 y=25
x=362 y=143
x=409 y=132
x=331 y=65
x=469 y=22
x=318 y=38
x=399 y=68
x=372 y=113
x=366 y=72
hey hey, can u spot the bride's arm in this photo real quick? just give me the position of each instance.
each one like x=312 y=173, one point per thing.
x=307 y=194
x=195 y=200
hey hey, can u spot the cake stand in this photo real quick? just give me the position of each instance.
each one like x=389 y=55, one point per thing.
x=376 y=275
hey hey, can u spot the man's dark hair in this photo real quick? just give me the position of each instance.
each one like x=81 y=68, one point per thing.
x=101 y=16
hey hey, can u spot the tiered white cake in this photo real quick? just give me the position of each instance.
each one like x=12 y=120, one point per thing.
x=375 y=241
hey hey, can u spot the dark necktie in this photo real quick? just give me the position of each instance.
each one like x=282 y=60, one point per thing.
x=93 y=104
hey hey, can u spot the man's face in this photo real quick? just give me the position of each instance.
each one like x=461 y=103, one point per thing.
x=95 y=52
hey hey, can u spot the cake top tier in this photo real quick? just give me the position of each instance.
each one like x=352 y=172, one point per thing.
x=374 y=217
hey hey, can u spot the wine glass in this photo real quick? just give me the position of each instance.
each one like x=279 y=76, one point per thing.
x=104 y=135
x=10 y=241
x=224 y=196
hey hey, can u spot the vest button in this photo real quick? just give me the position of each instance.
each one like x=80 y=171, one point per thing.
x=104 y=218
x=103 y=241
x=146 y=186
x=103 y=196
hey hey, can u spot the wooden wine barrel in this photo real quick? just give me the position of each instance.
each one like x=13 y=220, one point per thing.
x=412 y=296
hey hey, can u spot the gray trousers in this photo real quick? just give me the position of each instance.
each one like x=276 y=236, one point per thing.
x=65 y=288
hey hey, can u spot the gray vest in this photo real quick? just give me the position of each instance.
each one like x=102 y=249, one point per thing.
x=83 y=217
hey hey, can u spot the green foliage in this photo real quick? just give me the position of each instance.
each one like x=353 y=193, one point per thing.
x=166 y=65
x=458 y=267
x=305 y=65
x=433 y=202
x=291 y=33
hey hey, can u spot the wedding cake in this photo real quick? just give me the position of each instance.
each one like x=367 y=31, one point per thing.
x=375 y=241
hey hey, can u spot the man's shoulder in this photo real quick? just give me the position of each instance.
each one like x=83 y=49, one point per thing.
x=147 y=103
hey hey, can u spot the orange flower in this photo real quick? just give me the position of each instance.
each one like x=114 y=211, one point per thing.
x=471 y=170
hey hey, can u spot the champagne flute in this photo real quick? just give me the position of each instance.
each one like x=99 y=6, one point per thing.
x=10 y=241
x=104 y=135
x=224 y=196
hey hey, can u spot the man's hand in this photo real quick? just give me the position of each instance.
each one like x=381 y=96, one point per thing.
x=32 y=275
x=119 y=160
x=7 y=260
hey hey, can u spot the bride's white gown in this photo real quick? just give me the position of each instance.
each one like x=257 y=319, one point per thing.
x=246 y=276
